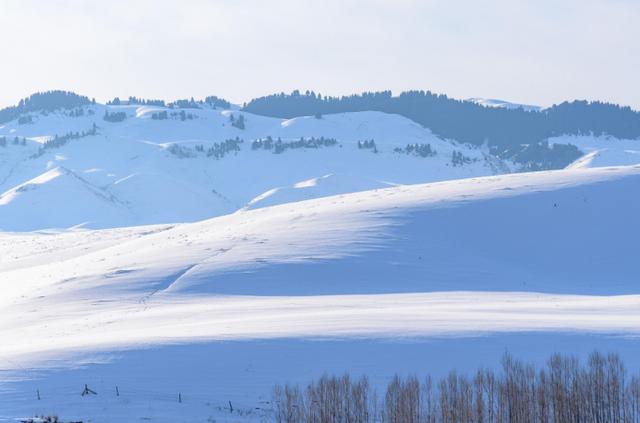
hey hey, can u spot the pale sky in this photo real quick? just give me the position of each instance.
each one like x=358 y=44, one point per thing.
x=528 y=51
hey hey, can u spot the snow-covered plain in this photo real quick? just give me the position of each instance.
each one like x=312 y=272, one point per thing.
x=412 y=278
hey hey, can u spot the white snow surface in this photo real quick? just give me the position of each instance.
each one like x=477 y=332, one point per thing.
x=145 y=171
x=492 y=102
x=400 y=279
x=602 y=151
x=132 y=259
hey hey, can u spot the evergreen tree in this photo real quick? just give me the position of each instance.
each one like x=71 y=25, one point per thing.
x=502 y=129
x=114 y=116
x=237 y=123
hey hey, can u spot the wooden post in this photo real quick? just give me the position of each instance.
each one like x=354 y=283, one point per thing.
x=88 y=391
x=117 y=391
x=230 y=407
x=38 y=392
x=180 y=397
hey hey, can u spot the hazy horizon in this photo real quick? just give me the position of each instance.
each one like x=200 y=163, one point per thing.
x=532 y=52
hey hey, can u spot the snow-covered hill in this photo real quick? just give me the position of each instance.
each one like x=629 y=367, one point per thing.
x=195 y=257
x=144 y=170
x=602 y=151
x=287 y=292
x=492 y=102
x=98 y=174
x=68 y=169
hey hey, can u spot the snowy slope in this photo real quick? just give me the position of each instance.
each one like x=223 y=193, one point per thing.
x=404 y=271
x=148 y=171
x=602 y=151
x=492 y=102
x=323 y=186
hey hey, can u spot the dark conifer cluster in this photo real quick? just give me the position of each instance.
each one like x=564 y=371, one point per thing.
x=163 y=115
x=422 y=150
x=181 y=152
x=181 y=115
x=79 y=112
x=465 y=121
x=44 y=102
x=16 y=141
x=217 y=102
x=459 y=159
x=191 y=103
x=185 y=104
x=237 y=122
x=136 y=101
x=219 y=150
x=278 y=146
x=541 y=156
x=59 y=140
x=114 y=116
x=368 y=145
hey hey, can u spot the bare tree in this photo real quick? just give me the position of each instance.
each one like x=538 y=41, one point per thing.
x=562 y=391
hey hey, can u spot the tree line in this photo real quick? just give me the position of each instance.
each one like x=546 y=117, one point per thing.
x=563 y=391
x=368 y=145
x=164 y=115
x=60 y=140
x=135 y=100
x=422 y=150
x=279 y=146
x=542 y=156
x=114 y=116
x=45 y=102
x=16 y=141
x=219 y=150
x=464 y=121
x=212 y=101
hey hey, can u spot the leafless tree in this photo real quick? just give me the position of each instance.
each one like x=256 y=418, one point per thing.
x=563 y=391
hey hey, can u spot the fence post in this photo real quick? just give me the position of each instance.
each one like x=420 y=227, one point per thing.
x=88 y=391
x=180 y=397
x=117 y=391
x=38 y=392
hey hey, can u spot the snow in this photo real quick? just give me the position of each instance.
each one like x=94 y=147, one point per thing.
x=400 y=279
x=130 y=259
x=143 y=171
x=151 y=173
x=323 y=186
x=491 y=102
x=37 y=201
x=209 y=375
x=602 y=151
